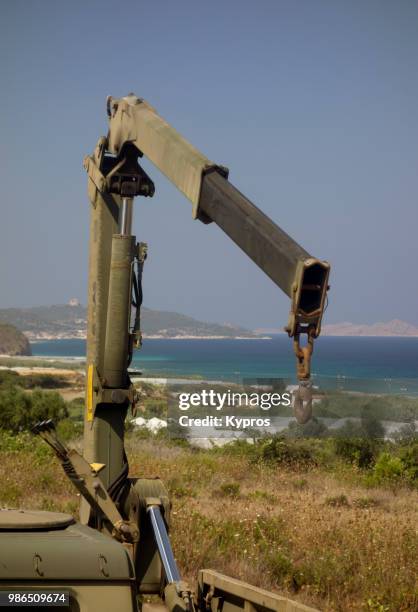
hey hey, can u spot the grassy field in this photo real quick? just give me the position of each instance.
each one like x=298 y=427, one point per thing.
x=321 y=534
x=331 y=522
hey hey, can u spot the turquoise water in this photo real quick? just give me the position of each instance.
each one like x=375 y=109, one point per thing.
x=386 y=364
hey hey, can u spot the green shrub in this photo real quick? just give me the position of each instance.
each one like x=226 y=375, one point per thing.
x=358 y=451
x=20 y=410
x=287 y=452
x=76 y=408
x=408 y=454
x=69 y=430
x=388 y=468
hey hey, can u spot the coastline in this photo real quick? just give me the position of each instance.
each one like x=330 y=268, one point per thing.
x=343 y=359
x=36 y=339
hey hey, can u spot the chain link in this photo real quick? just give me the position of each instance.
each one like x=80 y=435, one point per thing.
x=302 y=397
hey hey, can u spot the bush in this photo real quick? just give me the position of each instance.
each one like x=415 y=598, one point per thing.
x=288 y=452
x=76 y=408
x=388 y=468
x=408 y=455
x=358 y=451
x=20 y=410
x=69 y=430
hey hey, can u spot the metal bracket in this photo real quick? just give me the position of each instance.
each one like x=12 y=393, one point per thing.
x=99 y=394
x=97 y=183
x=141 y=252
x=304 y=353
x=302 y=397
x=308 y=297
x=94 y=173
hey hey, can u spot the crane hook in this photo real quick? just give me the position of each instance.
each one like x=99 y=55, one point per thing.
x=302 y=402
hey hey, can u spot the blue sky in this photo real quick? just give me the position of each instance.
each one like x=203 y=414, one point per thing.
x=313 y=105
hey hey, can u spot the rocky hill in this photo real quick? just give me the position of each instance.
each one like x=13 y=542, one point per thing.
x=394 y=328
x=69 y=321
x=389 y=328
x=13 y=342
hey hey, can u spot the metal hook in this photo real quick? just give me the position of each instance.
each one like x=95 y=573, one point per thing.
x=302 y=402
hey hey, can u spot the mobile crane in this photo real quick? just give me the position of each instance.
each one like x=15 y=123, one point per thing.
x=120 y=549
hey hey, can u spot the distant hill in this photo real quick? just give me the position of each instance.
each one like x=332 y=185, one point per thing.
x=69 y=321
x=13 y=342
x=390 y=328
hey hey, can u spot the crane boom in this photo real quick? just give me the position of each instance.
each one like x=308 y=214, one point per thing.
x=302 y=277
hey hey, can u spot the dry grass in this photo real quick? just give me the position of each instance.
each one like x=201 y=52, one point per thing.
x=326 y=542
x=31 y=477
x=281 y=529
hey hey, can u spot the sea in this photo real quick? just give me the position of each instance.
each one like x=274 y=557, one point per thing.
x=366 y=364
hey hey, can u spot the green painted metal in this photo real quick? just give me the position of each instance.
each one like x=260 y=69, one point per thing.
x=102 y=227
x=216 y=591
x=104 y=425
x=23 y=520
x=73 y=553
x=115 y=369
x=302 y=277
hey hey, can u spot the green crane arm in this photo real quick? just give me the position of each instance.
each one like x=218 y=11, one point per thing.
x=302 y=277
